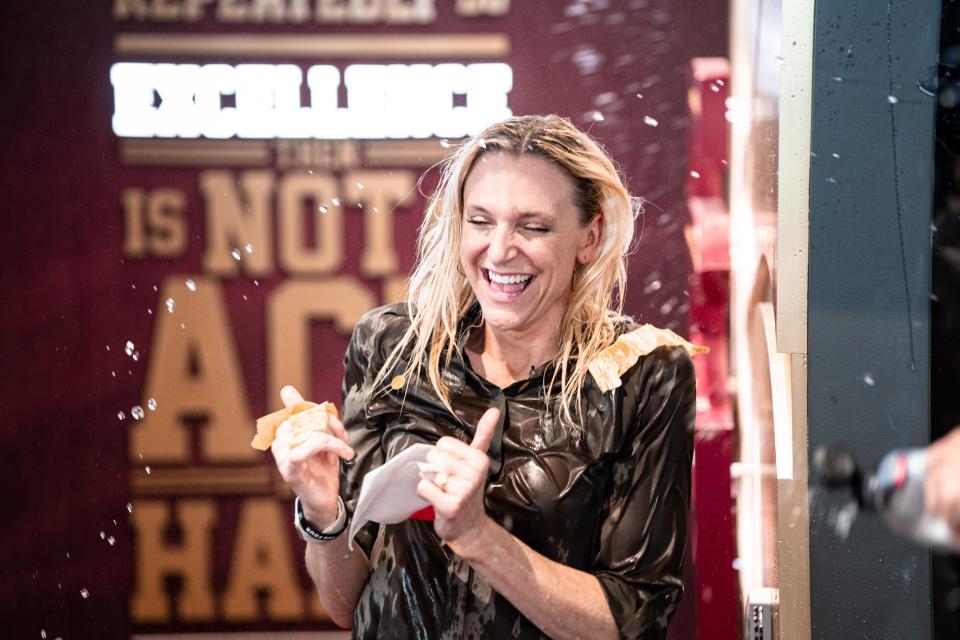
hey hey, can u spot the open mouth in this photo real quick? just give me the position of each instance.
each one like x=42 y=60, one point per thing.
x=511 y=285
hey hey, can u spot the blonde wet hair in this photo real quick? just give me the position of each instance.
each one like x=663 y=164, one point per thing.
x=439 y=293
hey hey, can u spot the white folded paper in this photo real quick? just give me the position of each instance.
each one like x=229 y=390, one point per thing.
x=389 y=492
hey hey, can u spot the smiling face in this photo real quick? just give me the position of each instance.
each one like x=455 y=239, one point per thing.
x=522 y=237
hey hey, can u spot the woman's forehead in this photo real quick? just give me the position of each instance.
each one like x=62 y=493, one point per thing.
x=519 y=182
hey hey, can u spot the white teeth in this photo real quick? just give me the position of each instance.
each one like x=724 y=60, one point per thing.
x=499 y=279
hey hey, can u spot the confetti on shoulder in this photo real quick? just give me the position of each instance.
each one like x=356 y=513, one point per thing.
x=611 y=363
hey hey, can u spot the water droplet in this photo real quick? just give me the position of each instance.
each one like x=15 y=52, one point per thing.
x=152 y=404
x=129 y=507
x=694 y=174
x=103 y=535
x=835 y=155
x=191 y=285
x=596 y=116
x=121 y=415
x=84 y=594
x=836 y=79
x=336 y=201
x=868 y=379
x=147 y=469
x=244 y=296
x=248 y=247
x=136 y=356
x=137 y=412
x=256 y=283
x=322 y=209
x=43 y=633
x=129 y=348
x=236 y=254
x=892 y=99
x=736 y=564
x=714 y=87
x=108 y=347
x=445 y=143
x=111 y=541
x=640 y=95
x=653 y=286
x=647 y=120
x=170 y=305
x=832 y=180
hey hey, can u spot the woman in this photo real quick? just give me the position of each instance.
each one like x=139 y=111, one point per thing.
x=560 y=506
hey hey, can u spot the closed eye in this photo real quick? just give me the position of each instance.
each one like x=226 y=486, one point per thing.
x=536 y=228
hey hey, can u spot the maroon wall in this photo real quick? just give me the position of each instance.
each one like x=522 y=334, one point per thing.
x=68 y=292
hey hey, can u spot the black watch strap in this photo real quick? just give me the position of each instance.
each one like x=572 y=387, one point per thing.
x=311 y=532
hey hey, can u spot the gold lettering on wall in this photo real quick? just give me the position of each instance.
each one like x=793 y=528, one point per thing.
x=263 y=560
x=154 y=223
x=395 y=289
x=193 y=370
x=291 y=308
x=157 y=558
x=316 y=193
x=237 y=218
x=380 y=192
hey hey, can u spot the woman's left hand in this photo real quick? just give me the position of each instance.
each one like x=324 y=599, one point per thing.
x=456 y=491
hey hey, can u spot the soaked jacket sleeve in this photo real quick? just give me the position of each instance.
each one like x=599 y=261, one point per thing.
x=364 y=431
x=639 y=563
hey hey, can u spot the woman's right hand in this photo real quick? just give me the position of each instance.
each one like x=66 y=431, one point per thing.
x=311 y=465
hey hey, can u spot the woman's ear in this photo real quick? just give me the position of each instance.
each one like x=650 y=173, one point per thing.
x=589 y=245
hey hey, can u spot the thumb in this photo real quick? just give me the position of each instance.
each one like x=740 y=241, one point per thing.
x=485 y=429
x=290 y=396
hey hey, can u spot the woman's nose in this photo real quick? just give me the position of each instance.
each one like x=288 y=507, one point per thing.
x=501 y=248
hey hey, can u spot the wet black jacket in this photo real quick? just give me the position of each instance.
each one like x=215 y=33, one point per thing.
x=610 y=499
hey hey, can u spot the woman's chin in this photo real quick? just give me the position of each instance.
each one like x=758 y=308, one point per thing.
x=500 y=319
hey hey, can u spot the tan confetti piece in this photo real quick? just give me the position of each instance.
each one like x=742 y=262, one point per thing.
x=607 y=367
x=305 y=411
x=397 y=383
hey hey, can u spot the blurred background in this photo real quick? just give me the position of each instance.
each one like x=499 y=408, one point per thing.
x=203 y=196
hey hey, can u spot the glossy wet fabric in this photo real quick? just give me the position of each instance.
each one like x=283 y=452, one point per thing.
x=610 y=499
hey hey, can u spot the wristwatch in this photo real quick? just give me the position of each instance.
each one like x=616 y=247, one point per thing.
x=311 y=532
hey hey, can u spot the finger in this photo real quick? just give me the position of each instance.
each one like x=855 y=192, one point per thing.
x=467 y=454
x=483 y=436
x=319 y=442
x=930 y=490
x=451 y=463
x=290 y=396
x=432 y=494
x=338 y=429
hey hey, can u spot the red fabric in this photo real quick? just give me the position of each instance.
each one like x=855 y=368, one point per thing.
x=426 y=513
